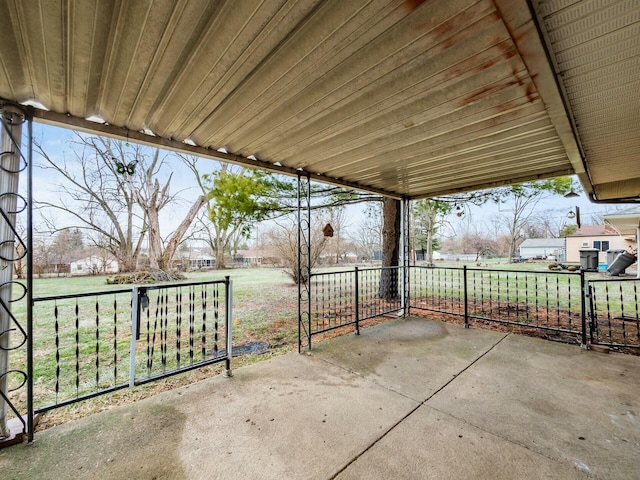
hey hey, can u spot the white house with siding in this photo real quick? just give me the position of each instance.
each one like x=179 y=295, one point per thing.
x=93 y=265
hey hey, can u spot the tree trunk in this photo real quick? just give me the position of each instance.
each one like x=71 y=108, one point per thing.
x=513 y=235
x=430 y=240
x=390 y=248
x=126 y=262
x=155 y=242
x=220 y=243
x=174 y=241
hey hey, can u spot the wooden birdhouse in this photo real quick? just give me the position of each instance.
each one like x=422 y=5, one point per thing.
x=328 y=230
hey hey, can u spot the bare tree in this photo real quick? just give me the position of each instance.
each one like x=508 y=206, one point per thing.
x=97 y=195
x=20 y=250
x=368 y=237
x=480 y=245
x=550 y=222
x=41 y=255
x=152 y=197
x=521 y=200
x=284 y=239
x=429 y=215
x=113 y=190
x=337 y=218
x=68 y=245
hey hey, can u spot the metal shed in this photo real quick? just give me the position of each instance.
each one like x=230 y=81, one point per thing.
x=543 y=248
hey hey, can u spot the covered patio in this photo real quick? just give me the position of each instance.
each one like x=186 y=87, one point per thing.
x=412 y=398
x=408 y=99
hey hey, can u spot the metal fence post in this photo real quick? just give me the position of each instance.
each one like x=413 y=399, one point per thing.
x=357 y=302
x=30 y=400
x=304 y=261
x=135 y=323
x=466 y=302
x=229 y=324
x=405 y=250
x=584 y=285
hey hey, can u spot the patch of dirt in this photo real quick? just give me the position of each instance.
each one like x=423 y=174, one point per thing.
x=554 y=324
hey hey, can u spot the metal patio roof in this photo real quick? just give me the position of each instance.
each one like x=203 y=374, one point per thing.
x=407 y=98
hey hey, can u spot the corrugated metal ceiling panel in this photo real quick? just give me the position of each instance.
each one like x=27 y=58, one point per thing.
x=410 y=97
x=597 y=48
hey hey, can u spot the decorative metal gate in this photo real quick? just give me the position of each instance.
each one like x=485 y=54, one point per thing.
x=95 y=343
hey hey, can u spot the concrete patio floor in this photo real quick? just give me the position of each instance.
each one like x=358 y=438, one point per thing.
x=411 y=399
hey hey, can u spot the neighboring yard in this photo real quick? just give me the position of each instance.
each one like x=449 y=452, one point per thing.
x=264 y=309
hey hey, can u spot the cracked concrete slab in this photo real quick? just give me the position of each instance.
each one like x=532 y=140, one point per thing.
x=433 y=445
x=575 y=405
x=293 y=417
x=414 y=356
x=407 y=399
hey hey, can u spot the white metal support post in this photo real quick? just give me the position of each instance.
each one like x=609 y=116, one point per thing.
x=10 y=167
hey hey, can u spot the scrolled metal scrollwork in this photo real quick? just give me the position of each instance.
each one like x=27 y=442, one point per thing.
x=15 y=248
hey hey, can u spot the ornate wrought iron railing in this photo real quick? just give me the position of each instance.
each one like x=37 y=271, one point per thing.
x=544 y=301
x=106 y=341
x=549 y=302
x=16 y=379
x=613 y=312
x=340 y=299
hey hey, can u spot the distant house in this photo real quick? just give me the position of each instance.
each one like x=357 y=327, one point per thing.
x=542 y=248
x=600 y=237
x=350 y=257
x=263 y=255
x=201 y=261
x=93 y=265
x=421 y=255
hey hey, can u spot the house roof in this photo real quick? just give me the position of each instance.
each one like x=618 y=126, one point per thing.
x=594 y=231
x=407 y=98
x=626 y=222
x=543 y=242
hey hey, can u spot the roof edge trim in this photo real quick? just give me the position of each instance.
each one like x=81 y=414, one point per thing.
x=122 y=133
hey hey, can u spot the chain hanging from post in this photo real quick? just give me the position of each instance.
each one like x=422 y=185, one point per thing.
x=405 y=225
x=304 y=262
x=15 y=277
